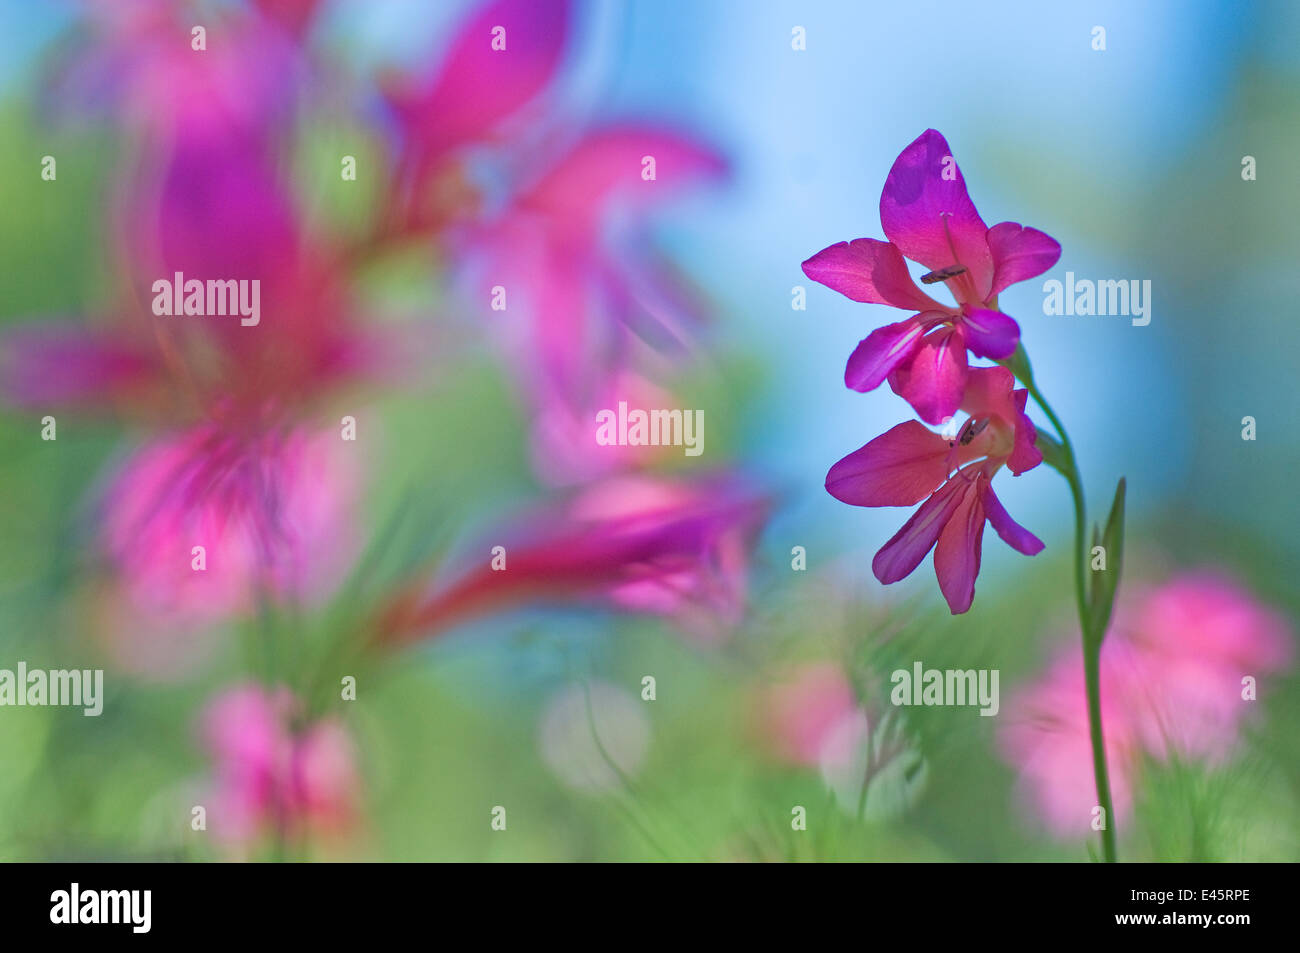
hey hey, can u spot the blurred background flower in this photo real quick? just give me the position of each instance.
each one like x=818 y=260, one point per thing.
x=350 y=462
x=1182 y=669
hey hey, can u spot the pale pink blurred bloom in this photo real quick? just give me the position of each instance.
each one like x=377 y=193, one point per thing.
x=812 y=718
x=324 y=777
x=1171 y=681
x=274 y=514
x=583 y=282
x=1045 y=735
x=136 y=63
x=705 y=590
x=269 y=776
x=676 y=548
x=1207 y=633
x=801 y=712
x=564 y=447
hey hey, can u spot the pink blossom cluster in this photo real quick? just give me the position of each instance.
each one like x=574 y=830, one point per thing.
x=1181 y=672
x=240 y=490
x=928 y=217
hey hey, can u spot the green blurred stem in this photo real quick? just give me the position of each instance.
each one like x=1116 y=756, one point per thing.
x=1069 y=468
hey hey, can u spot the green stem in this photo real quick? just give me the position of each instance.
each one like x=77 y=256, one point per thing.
x=1091 y=638
x=642 y=826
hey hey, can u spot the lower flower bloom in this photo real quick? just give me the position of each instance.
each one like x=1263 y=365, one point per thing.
x=911 y=463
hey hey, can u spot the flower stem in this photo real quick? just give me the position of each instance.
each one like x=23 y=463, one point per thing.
x=1092 y=639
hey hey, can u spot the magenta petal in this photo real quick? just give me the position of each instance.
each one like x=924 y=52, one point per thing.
x=1020 y=253
x=925 y=204
x=899 y=468
x=881 y=351
x=870 y=271
x=935 y=378
x=66 y=363
x=1012 y=533
x=293 y=15
x=1025 y=455
x=904 y=552
x=957 y=555
x=217 y=209
x=478 y=86
x=990 y=334
x=604 y=166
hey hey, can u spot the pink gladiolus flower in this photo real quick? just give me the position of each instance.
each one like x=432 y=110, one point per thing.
x=563 y=451
x=905 y=465
x=267 y=776
x=272 y=514
x=631 y=543
x=468 y=98
x=1171 y=685
x=584 y=284
x=206 y=198
x=928 y=217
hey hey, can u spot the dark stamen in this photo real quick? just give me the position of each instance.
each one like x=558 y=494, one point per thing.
x=971 y=431
x=943 y=274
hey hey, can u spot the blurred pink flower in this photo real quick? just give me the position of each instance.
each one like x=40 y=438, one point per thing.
x=269 y=776
x=1172 y=668
x=564 y=448
x=204 y=193
x=910 y=463
x=273 y=514
x=61 y=363
x=578 y=298
x=801 y=713
x=639 y=544
x=136 y=64
x=466 y=100
x=928 y=216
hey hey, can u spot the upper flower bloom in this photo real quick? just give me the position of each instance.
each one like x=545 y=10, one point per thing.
x=929 y=218
x=904 y=465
